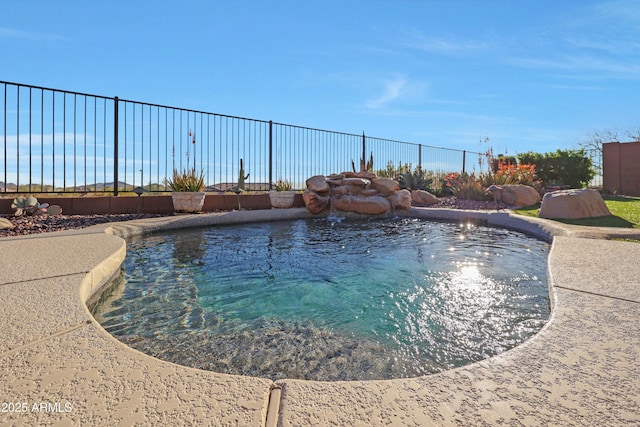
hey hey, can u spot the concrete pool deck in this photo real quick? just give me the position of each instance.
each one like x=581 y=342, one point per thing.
x=59 y=367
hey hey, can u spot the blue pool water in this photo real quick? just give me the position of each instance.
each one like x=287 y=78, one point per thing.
x=329 y=299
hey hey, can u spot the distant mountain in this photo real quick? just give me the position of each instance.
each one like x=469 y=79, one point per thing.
x=107 y=187
x=99 y=187
x=231 y=186
x=11 y=187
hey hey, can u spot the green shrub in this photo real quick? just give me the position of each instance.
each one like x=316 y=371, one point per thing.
x=564 y=167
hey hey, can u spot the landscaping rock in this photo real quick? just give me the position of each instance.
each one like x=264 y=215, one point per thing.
x=573 y=204
x=423 y=198
x=315 y=203
x=369 y=192
x=318 y=184
x=400 y=199
x=356 y=182
x=358 y=192
x=361 y=174
x=345 y=190
x=373 y=205
x=515 y=195
x=5 y=224
x=385 y=186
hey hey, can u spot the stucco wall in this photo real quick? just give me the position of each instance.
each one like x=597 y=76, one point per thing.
x=155 y=204
x=621 y=168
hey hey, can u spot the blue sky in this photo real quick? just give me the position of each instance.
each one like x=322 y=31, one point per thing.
x=530 y=76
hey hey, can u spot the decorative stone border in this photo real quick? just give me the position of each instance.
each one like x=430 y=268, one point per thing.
x=58 y=366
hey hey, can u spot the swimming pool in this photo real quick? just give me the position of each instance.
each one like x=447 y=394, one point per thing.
x=329 y=299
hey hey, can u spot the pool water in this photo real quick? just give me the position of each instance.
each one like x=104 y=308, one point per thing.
x=329 y=299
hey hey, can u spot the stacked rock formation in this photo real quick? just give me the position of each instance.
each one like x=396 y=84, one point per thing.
x=357 y=192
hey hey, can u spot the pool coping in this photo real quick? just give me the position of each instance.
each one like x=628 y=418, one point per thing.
x=58 y=366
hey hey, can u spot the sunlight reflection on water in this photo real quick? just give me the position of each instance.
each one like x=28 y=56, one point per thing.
x=367 y=299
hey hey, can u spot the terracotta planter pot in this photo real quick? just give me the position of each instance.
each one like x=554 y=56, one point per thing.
x=282 y=199
x=188 y=201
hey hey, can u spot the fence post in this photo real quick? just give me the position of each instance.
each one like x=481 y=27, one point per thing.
x=464 y=160
x=270 y=154
x=420 y=156
x=363 y=162
x=115 y=146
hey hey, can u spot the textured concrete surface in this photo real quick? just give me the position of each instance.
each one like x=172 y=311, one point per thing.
x=59 y=367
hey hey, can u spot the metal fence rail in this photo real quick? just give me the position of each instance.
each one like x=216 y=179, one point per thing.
x=64 y=141
x=596 y=159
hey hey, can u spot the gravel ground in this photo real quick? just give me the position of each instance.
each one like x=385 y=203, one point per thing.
x=46 y=223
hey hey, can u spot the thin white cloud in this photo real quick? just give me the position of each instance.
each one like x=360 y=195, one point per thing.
x=613 y=47
x=599 y=42
x=574 y=87
x=624 y=12
x=597 y=67
x=11 y=34
x=396 y=89
x=393 y=90
x=445 y=46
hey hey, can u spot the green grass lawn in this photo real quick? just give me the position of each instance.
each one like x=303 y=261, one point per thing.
x=625 y=210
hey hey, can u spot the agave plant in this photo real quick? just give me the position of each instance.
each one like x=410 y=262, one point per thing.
x=415 y=181
x=187 y=180
x=282 y=185
x=30 y=206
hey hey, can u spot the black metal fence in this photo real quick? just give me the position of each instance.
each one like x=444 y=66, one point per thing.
x=596 y=160
x=63 y=141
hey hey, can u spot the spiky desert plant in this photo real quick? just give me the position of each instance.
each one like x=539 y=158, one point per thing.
x=416 y=180
x=241 y=176
x=187 y=180
x=282 y=185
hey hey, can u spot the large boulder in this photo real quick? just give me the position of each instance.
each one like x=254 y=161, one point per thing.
x=423 y=198
x=400 y=199
x=346 y=190
x=314 y=202
x=318 y=184
x=573 y=204
x=361 y=174
x=356 y=182
x=385 y=186
x=372 y=205
x=515 y=195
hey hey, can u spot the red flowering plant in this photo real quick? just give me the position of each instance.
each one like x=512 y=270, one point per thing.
x=510 y=174
x=464 y=186
x=449 y=182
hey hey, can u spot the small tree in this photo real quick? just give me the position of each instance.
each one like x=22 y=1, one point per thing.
x=562 y=167
x=592 y=144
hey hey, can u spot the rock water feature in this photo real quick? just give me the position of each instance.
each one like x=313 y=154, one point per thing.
x=356 y=192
